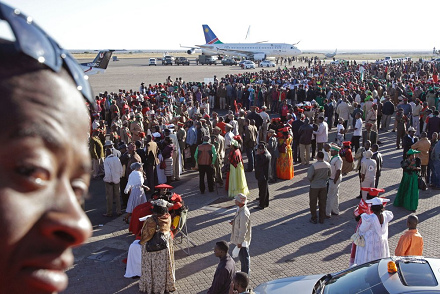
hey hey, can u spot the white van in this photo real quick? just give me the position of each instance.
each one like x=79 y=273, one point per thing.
x=152 y=62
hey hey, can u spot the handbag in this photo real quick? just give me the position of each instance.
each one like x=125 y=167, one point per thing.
x=162 y=165
x=358 y=239
x=158 y=241
x=421 y=183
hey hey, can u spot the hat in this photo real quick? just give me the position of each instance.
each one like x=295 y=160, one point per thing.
x=122 y=146
x=271 y=131
x=368 y=154
x=411 y=129
x=180 y=124
x=241 y=198
x=412 y=151
x=163 y=186
x=136 y=165
x=346 y=143
x=161 y=203
x=334 y=147
x=234 y=143
x=156 y=135
x=377 y=201
x=108 y=143
x=373 y=191
x=218 y=129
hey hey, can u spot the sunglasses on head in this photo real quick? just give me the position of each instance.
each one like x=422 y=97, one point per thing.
x=34 y=42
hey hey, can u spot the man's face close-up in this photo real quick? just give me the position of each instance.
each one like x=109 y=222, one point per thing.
x=44 y=174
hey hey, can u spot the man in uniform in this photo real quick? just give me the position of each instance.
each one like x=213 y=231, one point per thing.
x=368 y=172
x=250 y=137
x=318 y=175
x=332 y=206
x=136 y=128
x=181 y=138
x=220 y=148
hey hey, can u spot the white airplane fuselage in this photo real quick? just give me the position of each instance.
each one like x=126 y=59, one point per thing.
x=268 y=49
x=91 y=70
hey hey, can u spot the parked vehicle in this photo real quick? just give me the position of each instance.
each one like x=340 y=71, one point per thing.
x=229 y=61
x=267 y=63
x=152 y=61
x=167 y=61
x=206 y=59
x=247 y=64
x=181 y=61
x=406 y=274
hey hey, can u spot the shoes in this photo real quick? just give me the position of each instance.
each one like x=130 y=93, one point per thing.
x=328 y=216
x=119 y=214
x=272 y=181
x=259 y=207
x=397 y=148
x=393 y=131
x=313 y=221
x=335 y=213
x=211 y=190
x=321 y=221
x=107 y=215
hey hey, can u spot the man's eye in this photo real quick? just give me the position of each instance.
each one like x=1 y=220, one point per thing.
x=35 y=174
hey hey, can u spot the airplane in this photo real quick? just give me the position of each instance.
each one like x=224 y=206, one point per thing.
x=99 y=64
x=256 y=51
x=435 y=52
x=331 y=55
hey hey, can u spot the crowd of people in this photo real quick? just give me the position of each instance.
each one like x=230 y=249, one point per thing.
x=277 y=119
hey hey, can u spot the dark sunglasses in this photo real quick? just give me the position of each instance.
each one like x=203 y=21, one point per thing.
x=34 y=42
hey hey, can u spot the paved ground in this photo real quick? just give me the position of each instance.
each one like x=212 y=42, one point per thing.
x=284 y=242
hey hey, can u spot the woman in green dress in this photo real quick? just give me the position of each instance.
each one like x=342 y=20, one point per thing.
x=408 y=193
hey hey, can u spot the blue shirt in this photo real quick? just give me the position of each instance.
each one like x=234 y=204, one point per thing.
x=191 y=136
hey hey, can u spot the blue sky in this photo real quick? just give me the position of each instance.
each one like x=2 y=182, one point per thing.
x=319 y=25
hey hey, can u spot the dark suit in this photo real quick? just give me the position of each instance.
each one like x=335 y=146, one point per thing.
x=372 y=137
x=262 y=164
x=295 y=131
x=407 y=142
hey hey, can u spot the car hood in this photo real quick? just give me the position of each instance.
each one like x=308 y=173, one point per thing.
x=301 y=284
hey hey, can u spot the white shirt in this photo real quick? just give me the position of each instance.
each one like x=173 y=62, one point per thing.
x=358 y=128
x=228 y=137
x=335 y=165
x=322 y=133
x=340 y=127
x=112 y=169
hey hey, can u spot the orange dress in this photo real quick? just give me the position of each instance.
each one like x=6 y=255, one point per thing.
x=285 y=159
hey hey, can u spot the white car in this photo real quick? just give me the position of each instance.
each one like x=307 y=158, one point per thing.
x=152 y=62
x=247 y=64
x=267 y=63
x=410 y=274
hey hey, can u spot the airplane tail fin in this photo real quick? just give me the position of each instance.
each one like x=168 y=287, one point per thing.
x=102 y=59
x=210 y=37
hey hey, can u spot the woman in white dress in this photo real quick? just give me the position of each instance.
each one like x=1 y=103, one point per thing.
x=374 y=228
x=135 y=186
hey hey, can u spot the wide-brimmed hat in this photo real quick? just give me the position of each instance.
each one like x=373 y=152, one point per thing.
x=377 y=201
x=163 y=186
x=373 y=191
x=241 y=198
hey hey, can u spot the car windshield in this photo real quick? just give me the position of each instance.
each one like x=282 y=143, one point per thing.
x=360 y=279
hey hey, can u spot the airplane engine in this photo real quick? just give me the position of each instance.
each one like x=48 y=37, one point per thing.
x=259 y=56
x=191 y=51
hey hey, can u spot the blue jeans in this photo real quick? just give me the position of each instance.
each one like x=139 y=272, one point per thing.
x=245 y=260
